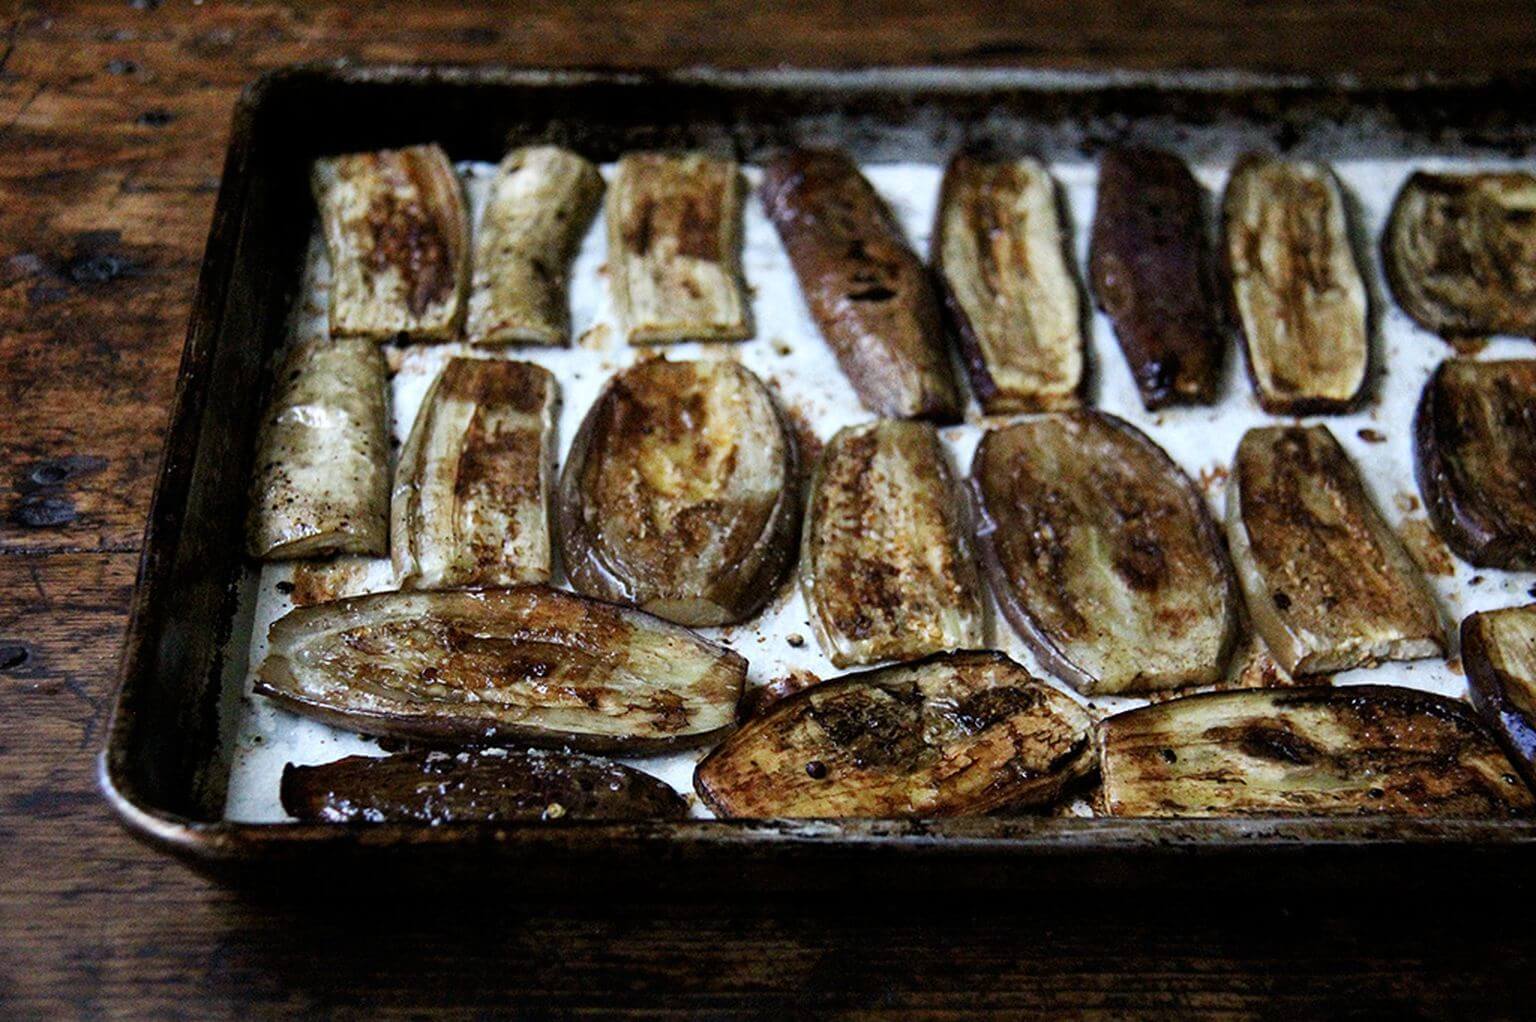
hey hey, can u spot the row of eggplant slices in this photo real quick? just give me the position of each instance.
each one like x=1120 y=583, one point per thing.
x=681 y=502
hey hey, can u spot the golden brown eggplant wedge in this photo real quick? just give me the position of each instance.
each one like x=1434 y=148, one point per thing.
x=1354 y=750
x=397 y=231
x=471 y=493
x=1294 y=288
x=1000 y=249
x=1460 y=252
x=1475 y=458
x=681 y=494
x=869 y=293
x=531 y=665
x=954 y=734
x=1152 y=274
x=436 y=787
x=1329 y=584
x=1498 y=651
x=887 y=568
x=1103 y=555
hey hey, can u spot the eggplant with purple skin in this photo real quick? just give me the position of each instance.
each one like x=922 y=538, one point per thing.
x=1498 y=651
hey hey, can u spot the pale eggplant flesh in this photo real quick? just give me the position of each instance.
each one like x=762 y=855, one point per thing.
x=872 y=298
x=397 y=231
x=531 y=665
x=886 y=567
x=954 y=734
x=1356 y=750
x=1103 y=555
x=494 y=785
x=1294 y=287
x=1329 y=585
x=1475 y=458
x=472 y=489
x=681 y=493
x=1498 y=652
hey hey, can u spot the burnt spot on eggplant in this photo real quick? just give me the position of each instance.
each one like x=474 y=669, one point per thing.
x=1498 y=652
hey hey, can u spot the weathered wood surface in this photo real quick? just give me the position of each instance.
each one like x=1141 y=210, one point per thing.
x=112 y=124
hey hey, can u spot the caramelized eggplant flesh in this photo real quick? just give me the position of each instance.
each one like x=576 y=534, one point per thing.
x=531 y=665
x=1329 y=584
x=1294 y=287
x=954 y=734
x=681 y=494
x=1103 y=555
x=1475 y=458
x=1498 y=651
x=887 y=568
x=1355 y=750
x=436 y=787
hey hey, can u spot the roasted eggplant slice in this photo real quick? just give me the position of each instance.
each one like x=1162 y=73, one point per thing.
x=1475 y=457
x=471 y=494
x=674 y=249
x=1460 y=252
x=1350 y=751
x=887 y=569
x=869 y=293
x=1152 y=275
x=957 y=733
x=494 y=785
x=1103 y=555
x=322 y=463
x=1001 y=254
x=1498 y=650
x=1329 y=584
x=532 y=665
x=398 y=237
x=681 y=494
x=542 y=199
x=1294 y=287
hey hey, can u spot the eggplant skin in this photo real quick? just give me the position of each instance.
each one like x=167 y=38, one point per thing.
x=530 y=664
x=681 y=493
x=953 y=734
x=1475 y=459
x=1498 y=651
x=870 y=295
x=1153 y=276
x=1356 y=750
x=494 y=785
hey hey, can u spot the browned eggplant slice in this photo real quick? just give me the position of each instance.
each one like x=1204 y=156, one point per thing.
x=1329 y=584
x=887 y=567
x=1348 y=751
x=493 y=785
x=1460 y=252
x=1498 y=650
x=532 y=665
x=1103 y=555
x=397 y=232
x=1152 y=275
x=681 y=494
x=1000 y=250
x=957 y=733
x=871 y=296
x=1475 y=458
x=1295 y=290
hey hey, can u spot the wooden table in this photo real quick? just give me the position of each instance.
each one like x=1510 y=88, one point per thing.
x=112 y=123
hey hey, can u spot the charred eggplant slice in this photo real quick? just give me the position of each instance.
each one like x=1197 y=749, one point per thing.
x=869 y=293
x=1103 y=555
x=1498 y=649
x=471 y=493
x=681 y=494
x=1349 y=751
x=1152 y=275
x=531 y=665
x=1460 y=252
x=958 y=733
x=888 y=572
x=1329 y=584
x=1294 y=287
x=1475 y=457
x=1001 y=254
x=397 y=232
x=494 y=785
